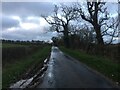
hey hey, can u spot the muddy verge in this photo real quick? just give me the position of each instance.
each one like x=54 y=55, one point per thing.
x=33 y=76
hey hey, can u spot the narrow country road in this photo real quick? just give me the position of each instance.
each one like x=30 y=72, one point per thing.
x=66 y=72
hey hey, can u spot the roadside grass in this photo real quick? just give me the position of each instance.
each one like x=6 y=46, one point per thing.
x=9 y=45
x=12 y=72
x=0 y=65
x=0 y=77
x=11 y=52
x=105 y=66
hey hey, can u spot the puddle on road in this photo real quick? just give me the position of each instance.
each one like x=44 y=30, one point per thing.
x=24 y=83
x=27 y=83
x=51 y=64
x=50 y=70
x=49 y=78
x=45 y=61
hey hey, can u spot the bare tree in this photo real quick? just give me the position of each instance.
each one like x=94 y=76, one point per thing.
x=97 y=16
x=61 y=18
x=111 y=30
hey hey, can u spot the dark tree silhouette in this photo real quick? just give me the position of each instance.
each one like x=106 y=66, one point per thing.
x=61 y=18
x=98 y=17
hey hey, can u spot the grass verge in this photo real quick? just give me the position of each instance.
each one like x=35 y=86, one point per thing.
x=12 y=72
x=7 y=45
x=0 y=77
x=102 y=65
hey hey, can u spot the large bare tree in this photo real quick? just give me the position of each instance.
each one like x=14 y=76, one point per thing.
x=61 y=18
x=98 y=16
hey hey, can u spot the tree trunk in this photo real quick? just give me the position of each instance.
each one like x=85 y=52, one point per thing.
x=100 y=46
x=97 y=26
x=66 y=36
x=98 y=35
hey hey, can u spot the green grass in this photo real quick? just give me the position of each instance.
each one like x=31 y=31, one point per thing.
x=9 y=45
x=101 y=64
x=0 y=77
x=12 y=71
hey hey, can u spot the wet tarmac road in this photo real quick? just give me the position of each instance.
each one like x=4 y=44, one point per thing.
x=66 y=72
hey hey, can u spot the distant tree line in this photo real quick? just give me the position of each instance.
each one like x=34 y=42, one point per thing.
x=24 y=42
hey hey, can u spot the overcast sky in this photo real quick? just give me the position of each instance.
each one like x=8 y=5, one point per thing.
x=22 y=21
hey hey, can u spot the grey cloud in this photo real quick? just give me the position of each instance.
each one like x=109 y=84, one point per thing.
x=24 y=10
x=8 y=22
x=28 y=35
x=34 y=19
x=27 y=8
x=112 y=7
